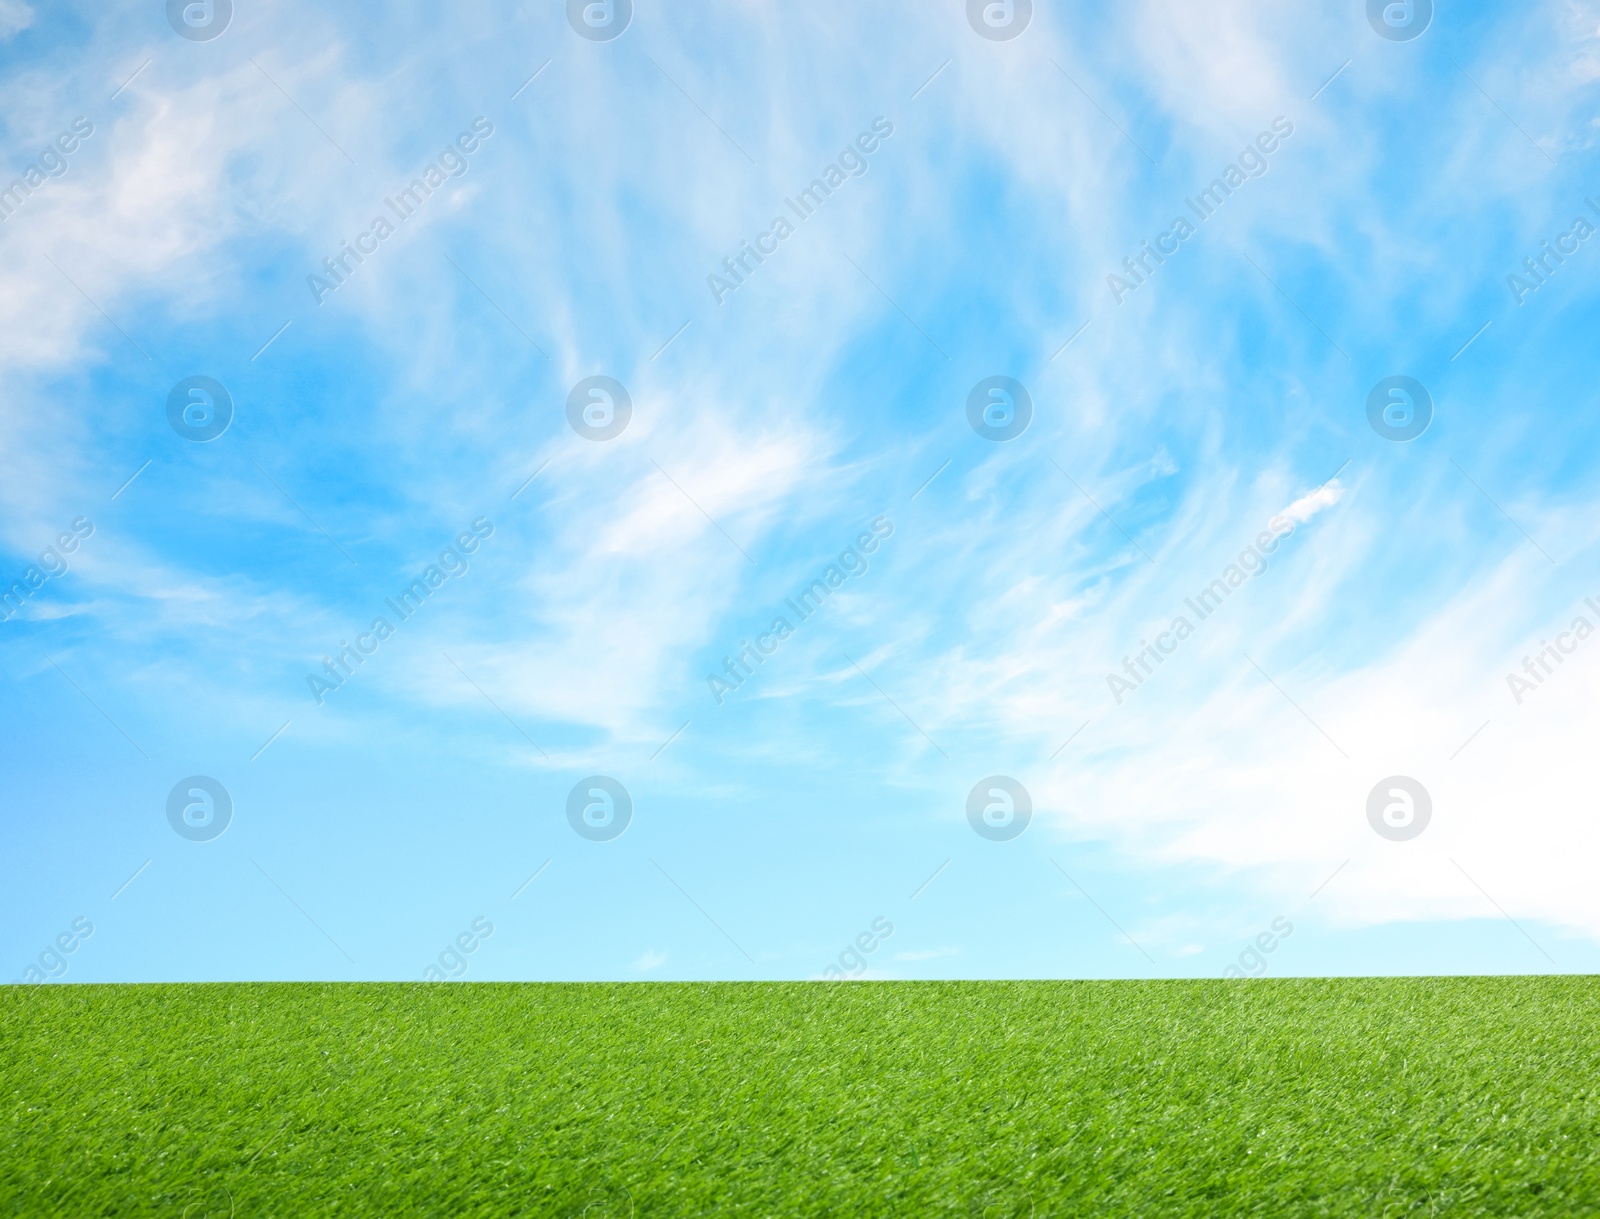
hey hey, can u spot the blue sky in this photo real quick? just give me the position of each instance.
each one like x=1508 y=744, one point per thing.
x=1381 y=191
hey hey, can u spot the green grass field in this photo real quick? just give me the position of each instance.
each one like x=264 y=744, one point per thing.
x=1273 y=1098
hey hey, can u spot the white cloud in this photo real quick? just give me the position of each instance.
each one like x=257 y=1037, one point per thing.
x=1247 y=782
x=1308 y=505
x=15 y=16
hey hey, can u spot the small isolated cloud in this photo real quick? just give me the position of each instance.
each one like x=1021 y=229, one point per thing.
x=1307 y=506
x=1189 y=950
x=649 y=961
x=15 y=16
x=927 y=954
